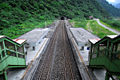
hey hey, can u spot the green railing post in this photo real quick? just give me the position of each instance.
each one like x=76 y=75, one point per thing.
x=90 y=53
x=4 y=48
x=97 y=50
x=0 y=53
x=16 y=51
x=110 y=52
x=107 y=51
x=107 y=76
x=24 y=54
x=5 y=75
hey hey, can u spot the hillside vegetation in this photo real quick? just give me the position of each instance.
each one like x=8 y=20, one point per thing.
x=16 y=31
x=113 y=23
x=115 y=12
x=15 y=12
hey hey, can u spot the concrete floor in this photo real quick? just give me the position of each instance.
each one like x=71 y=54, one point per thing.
x=35 y=36
x=82 y=35
x=99 y=73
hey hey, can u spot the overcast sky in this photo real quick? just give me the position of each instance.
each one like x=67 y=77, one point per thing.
x=114 y=1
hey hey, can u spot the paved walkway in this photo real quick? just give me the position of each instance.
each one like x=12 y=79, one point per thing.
x=110 y=29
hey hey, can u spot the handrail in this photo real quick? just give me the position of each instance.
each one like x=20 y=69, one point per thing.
x=9 y=55
x=4 y=58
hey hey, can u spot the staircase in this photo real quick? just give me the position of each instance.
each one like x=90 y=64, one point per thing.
x=105 y=53
x=11 y=55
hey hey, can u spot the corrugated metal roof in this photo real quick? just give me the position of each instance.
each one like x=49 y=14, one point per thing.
x=93 y=41
x=2 y=36
x=112 y=36
x=19 y=41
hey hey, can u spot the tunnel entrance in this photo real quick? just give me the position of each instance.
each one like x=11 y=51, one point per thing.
x=62 y=18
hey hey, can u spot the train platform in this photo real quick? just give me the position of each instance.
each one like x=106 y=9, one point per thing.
x=58 y=53
x=35 y=36
x=33 y=39
x=17 y=74
x=57 y=61
x=37 y=40
x=81 y=37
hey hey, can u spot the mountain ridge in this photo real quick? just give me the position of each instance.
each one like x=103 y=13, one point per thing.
x=115 y=12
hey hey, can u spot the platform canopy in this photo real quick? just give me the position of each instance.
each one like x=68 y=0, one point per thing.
x=18 y=41
x=96 y=40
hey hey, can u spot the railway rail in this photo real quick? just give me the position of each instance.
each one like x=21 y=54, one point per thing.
x=58 y=62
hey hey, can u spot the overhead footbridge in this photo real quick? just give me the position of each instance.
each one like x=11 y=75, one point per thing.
x=11 y=55
x=105 y=53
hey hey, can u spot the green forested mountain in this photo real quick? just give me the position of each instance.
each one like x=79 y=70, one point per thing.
x=115 y=12
x=15 y=12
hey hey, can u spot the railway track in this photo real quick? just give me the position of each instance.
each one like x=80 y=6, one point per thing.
x=58 y=62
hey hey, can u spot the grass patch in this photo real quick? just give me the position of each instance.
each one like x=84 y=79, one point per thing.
x=93 y=27
x=81 y=23
x=99 y=30
x=16 y=31
x=114 y=24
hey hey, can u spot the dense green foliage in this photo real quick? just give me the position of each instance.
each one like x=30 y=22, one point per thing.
x=15 y=12
x=16 y=31
x=93 y=27
x=110 y=8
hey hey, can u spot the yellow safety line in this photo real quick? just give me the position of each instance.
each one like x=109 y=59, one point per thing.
x=82 y=60
x=32 y=61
